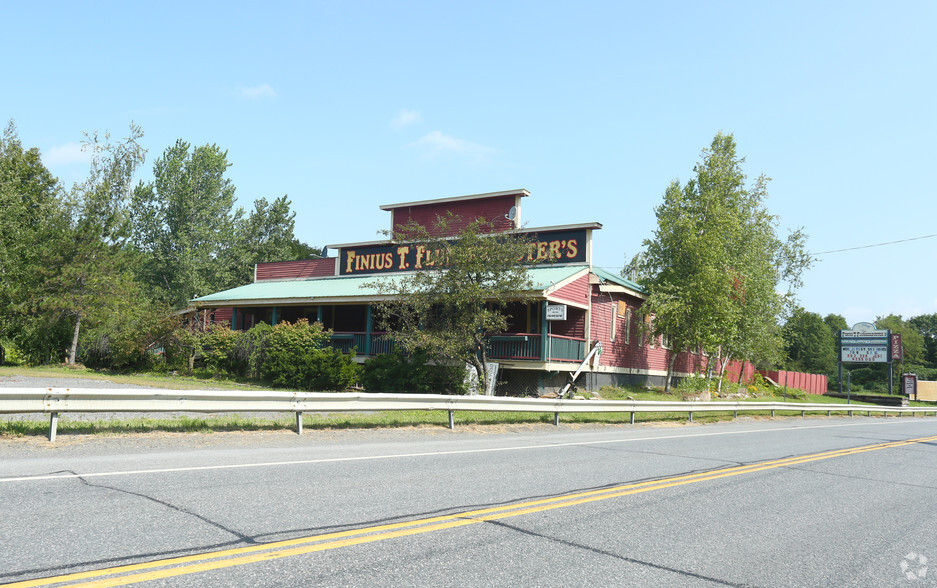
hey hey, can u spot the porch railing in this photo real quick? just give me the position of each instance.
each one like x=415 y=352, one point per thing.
x=513 y=346
x=562 y=348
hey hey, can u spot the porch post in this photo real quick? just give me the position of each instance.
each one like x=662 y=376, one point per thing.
x=368 y=329
x=234 y=318
x=273 y=317
x=544 y=332
x=319 y=313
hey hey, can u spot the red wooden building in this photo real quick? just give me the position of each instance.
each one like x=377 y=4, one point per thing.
x=535 y=356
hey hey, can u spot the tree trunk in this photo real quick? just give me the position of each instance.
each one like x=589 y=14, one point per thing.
x=741 y=374
x=74 y=346
x=670 y=363
x=724 y=363
x=481 y=375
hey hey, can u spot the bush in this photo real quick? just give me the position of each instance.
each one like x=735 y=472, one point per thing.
x=397 y=373
x=249 y=352
x=216 y=346
x=300 y=355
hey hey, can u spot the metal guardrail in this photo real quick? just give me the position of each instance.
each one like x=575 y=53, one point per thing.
x=54 y=401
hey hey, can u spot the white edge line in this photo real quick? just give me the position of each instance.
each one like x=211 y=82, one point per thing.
x=423 y=454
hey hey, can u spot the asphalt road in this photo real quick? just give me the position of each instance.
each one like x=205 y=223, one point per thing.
x=787 y=502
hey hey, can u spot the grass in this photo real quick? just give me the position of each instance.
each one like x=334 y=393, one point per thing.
x=168 y=381
x=370 y=420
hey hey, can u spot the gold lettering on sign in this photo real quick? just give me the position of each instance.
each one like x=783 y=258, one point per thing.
x=402 y=253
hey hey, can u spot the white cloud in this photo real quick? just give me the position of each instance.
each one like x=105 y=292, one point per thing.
x=66 y=154
x=437 y=142
x=258 y=92
x=406 y=118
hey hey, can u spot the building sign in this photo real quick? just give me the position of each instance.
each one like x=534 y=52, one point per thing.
x=909 y=384
x=897 y=351
x=556 y=312
x=554 y=246
x=864 y=344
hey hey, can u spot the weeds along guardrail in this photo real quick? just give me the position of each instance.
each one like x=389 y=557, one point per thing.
x=55 y=401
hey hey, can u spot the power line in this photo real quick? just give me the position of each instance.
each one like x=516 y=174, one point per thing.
x=875 y=245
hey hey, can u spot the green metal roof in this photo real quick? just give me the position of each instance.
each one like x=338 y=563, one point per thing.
x=616 y=279
x=347 y=289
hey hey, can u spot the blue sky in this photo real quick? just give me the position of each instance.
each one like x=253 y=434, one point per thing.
x=594 y=107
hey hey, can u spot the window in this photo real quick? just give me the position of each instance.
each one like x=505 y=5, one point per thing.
x=614 y=323
x=627 y=333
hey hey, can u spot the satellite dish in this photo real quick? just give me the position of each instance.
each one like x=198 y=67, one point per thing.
x=512 y=214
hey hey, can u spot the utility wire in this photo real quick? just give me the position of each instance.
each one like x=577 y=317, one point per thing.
x=875 y=245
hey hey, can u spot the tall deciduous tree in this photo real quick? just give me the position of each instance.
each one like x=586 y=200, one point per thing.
x=911 y=337
x=30 y=198
x=447 y=311
x=193 y=239
x=184 y=222
x=88 y=269
x=715 y=262
x=926 y=325
x=809 y=343
x=267 y=234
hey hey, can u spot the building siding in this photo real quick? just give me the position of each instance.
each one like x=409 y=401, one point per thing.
x=576 y=292
x=293 y=270
x=491 y=209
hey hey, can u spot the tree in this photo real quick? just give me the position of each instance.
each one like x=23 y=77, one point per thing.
x=926 y=325
x=267 y=235
x=30 y=198
x=911 y=338
x=447 y=311
x=193 y=239
x=184 y=222
x=715 y=263
x=87 y=270
x=809 y=343
x=836 y=323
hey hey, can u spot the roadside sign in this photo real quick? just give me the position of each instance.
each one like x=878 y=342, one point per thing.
x=864 y=344
x=556 y=312
x=897 y=352
x=909 y=385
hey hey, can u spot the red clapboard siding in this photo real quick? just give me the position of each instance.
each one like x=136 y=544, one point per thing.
x=491 y=209
x=221 y=316
x=287 y=270
x=626 y=351
x=577 y=291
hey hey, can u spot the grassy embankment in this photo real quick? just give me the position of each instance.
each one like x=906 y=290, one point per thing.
x=390 y=419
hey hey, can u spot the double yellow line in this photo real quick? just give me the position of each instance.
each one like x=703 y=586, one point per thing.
x=190 y=564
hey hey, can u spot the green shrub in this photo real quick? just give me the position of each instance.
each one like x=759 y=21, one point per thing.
x=216 y=347
x=397 y=373
x=300 y=355
x=250 y=352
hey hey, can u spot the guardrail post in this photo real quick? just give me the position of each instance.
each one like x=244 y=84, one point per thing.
x=829 y=413
x=556 y=419
x=632 y=417
x=53 y=425
x=451 y=421
x=299 y=422
x=735 y=414
x=691 y=417
x=772 y=413
x=803 y=413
